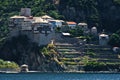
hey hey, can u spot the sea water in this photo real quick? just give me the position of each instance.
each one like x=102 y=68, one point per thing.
x=60 y=76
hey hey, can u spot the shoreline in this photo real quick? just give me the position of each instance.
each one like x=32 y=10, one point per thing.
x=80 y=72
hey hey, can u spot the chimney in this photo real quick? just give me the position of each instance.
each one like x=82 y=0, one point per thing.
x=25 y=12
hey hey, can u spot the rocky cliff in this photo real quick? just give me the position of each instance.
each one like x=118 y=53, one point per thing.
x=22 y=51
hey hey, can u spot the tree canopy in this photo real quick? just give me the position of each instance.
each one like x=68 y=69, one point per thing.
x=115 y=39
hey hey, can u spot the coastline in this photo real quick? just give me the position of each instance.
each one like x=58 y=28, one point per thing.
x=79 y=72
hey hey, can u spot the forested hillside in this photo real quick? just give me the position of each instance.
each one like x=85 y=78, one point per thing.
x=104 y=14
x=100 y=13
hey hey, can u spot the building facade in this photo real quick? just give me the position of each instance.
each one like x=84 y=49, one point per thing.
x=71 y=24
x=37 y=29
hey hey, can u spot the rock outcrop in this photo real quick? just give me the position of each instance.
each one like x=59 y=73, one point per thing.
x=22 y=51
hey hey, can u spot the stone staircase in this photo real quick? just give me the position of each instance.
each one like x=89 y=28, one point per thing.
x=103 y=53
x=72 y=54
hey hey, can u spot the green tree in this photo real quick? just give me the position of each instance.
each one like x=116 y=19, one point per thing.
x=114 y=40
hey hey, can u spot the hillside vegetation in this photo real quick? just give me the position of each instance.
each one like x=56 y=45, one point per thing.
x=22 y=51
x=101 y=13
x=104 y=14
x=4 y=65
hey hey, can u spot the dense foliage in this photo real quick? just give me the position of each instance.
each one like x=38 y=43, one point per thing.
x=49 y=51
x=115 y=39
x=95 y=66
x=101 y=66
x=39 y=7
x=101 y=13
x=76 y=32
x=8 y=64
x=117 y=1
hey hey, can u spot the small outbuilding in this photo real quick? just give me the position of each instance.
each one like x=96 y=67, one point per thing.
x=24 y=68
x=103 y=39
x=71 y=24
x=83 y=26
x=94 y=31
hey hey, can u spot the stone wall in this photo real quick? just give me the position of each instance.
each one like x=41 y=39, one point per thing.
x=46 y=39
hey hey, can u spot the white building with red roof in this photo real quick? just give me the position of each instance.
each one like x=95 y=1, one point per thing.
x=71 y=24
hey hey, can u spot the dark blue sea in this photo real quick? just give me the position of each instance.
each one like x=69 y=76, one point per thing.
x=59 y=76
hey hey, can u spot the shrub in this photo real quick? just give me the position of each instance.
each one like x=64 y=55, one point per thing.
x=45 y=51
x=50 y=46
x=95 y=66
x=92 y=54
x=8 y=64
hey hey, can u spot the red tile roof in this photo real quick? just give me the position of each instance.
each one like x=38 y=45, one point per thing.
x=71 y=22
